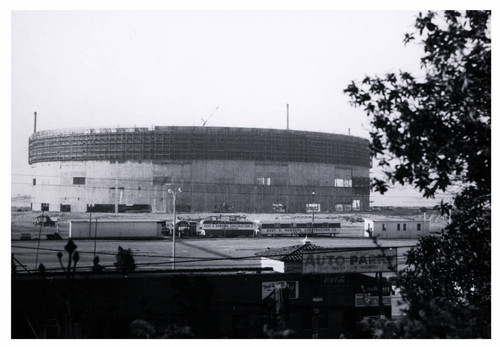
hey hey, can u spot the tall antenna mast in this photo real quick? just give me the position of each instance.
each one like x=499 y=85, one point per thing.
x=287 y=118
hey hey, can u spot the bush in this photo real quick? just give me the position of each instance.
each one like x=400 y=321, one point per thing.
x=125 y=260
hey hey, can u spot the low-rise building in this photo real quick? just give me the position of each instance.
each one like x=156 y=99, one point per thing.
x=285 y=259
x=396 y=228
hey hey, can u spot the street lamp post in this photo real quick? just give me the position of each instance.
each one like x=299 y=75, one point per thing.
x=174 y=194
x=313 y=208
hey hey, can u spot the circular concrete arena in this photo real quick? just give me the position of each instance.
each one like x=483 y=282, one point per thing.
x=219 y=170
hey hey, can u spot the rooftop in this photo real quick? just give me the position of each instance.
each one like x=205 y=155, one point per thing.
x=291 y=253
x=398 y=219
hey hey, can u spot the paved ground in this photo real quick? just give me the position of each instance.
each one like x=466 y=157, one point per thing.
x=190 y=253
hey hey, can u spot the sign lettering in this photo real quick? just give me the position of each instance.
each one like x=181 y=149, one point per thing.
x=355 y=261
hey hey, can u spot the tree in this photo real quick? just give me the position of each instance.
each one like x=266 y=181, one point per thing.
x=435 y=133
x=125 y=260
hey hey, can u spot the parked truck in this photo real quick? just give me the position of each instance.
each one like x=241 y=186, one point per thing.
x=45 y=221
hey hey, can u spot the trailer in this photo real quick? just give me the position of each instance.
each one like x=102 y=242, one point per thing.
x=116 y=229
x=293 y=228
x=232 y=225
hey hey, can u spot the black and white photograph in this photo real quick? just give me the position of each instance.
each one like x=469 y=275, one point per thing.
x=250 y=173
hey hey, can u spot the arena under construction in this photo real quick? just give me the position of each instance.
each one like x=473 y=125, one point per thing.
x=219 y=169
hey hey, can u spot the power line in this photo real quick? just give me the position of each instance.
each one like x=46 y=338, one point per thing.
x=283 y=194
x=204 y=191
x=207 y=259
x=193 y=262
x=161 y=187
x=114 y=254
x=151 y=181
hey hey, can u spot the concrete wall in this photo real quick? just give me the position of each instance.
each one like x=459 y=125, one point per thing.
x=250 y=186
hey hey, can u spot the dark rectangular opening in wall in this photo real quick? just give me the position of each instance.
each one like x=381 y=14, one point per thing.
x=134 y=208
x=101 y=208
x=34 y=181
x=65 y=208
x=79 y=180
x=183 y=208
x=44 y=206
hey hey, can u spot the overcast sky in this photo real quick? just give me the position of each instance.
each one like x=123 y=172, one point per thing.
x=109 y=69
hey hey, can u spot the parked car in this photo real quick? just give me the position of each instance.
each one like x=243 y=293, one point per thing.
x=45 y=221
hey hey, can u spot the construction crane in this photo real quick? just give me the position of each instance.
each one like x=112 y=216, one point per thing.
x=205 y=121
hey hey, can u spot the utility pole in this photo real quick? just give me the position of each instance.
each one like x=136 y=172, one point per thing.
x=116 y=195
x=380 y=295
x=95 y=236
x=90 y=225
x=39 y=237
x=174 y=194
x=313 y=208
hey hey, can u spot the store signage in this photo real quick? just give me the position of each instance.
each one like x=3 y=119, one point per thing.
x=374 y=289
x=269 y=289
x=334 y=281
x=355 y=261
x=367 y=299
x=313 y=208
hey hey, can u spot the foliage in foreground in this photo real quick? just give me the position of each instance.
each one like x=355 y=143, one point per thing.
x=435 y=133
x=125 y=261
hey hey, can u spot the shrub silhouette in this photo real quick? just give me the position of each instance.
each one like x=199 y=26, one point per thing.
x=125 y=260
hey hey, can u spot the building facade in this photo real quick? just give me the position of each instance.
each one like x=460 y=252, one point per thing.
x=227 y=169
x=397 y=229
x=213 y=305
